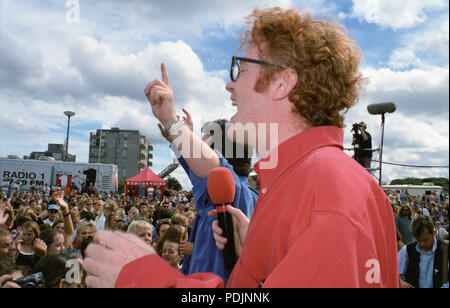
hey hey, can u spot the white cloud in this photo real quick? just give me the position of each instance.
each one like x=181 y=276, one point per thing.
x=424 y=47
x=398 y=14
x=418 y=93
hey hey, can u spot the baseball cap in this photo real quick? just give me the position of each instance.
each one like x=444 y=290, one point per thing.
x=53 y=207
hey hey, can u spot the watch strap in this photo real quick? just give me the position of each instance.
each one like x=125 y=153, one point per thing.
x=172 y=128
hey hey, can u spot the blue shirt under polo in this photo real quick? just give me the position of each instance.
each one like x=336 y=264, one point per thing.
x=206 y=257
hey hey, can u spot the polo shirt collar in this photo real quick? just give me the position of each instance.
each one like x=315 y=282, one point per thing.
x=295 y=149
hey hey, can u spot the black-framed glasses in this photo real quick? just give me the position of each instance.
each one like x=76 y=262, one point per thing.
x=235 y=69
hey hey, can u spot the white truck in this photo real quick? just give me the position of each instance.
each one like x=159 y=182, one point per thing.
x=37 y=173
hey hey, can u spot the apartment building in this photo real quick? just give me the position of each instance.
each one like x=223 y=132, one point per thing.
x=127 y=149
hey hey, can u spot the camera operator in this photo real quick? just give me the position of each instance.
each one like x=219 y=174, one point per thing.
x=363 y=144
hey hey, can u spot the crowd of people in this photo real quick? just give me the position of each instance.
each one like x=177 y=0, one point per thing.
x=40 y=231
x=37 y=225
x=422 y=238
x=301 y=74
x=408 y=208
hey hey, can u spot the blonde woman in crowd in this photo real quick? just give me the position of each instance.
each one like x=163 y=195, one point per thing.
x=84 y=230
x=142 y=229
x=133 y=212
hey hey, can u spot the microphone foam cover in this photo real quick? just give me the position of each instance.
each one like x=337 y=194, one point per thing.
x=220 y=184
x=381 y=108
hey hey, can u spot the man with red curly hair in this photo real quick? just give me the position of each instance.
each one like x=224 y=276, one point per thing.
x=321 y=220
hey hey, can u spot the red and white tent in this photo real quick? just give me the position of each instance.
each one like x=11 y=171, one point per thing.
x=146 y=178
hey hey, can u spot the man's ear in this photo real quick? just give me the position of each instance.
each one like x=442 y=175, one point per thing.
x=62 y=283
x=284 y=83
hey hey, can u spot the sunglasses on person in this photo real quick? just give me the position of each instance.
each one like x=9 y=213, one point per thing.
x=235 y=70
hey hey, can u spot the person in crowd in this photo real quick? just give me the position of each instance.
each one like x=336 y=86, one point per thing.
x=13 y=273
x=5 y=186
x=111 y=219
x=31 y=248
x=166 y=205
x=300 y=74
x=144 y=212
x=141 y=191
x=55 y=269
x=190 y=214
x=90 y=189
x=7 y=217
x=17 y=271
x=150 y=193
x=121 y=225
x=107 y=209
x=85 y=229
x=181 y=220
x=164 y=212
x=95 y=207
x=421 y=263
x=158 y=195
x=53 y=214
x=133 y=212
x=162 y=225
x=55 y=241
x=58 y=225
x=8 y=246
x=75 y=217
x=67 y=189
x=403 y=223
x=67 y=227
x=84 y=244
x=16 y=186
x=46 y=189
x=179 y=209
x=168 y=246
x=441 y=233
x=423 y=209
x=143 y=230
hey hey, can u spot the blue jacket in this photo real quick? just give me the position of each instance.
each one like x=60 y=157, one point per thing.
x=206 y=257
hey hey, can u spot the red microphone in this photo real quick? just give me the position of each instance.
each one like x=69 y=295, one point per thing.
x=221 y=189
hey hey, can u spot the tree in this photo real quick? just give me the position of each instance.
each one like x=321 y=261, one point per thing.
x=172 y=183
x=121 y=186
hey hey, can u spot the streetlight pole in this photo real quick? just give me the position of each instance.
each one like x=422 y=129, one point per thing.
x=68 y=114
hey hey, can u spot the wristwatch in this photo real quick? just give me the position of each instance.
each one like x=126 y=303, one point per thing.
x=173 y=128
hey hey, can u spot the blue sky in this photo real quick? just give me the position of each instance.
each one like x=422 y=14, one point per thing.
x=99 y=66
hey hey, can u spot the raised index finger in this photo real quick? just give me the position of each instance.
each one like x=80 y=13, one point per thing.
x=164 y=75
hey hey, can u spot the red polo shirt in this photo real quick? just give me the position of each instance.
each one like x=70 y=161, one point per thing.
x=321 y=220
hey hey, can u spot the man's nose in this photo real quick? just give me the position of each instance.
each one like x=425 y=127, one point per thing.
x=229 y=87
